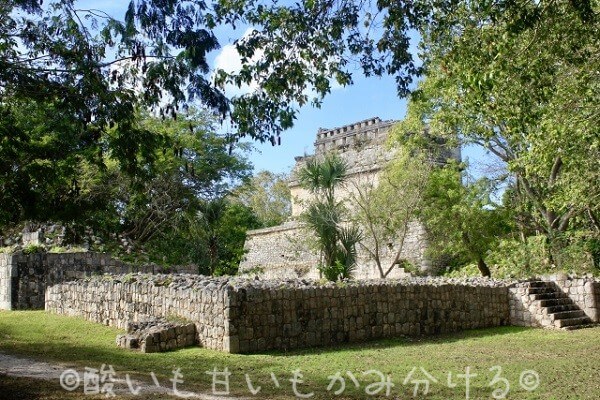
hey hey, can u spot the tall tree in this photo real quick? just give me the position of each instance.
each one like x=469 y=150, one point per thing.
x=195 y=164
x=268 y=195
x=461 y=220
x=325 y=215
x=523 y=85
x=386 y=208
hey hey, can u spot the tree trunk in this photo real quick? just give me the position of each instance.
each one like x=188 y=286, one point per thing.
x=483 y=268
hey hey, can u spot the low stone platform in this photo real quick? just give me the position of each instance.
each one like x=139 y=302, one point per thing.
x=244 y=315
x=158 y=335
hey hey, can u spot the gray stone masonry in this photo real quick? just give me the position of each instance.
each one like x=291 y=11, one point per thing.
x=567 y=303
x=8 y=270
x=585 y=293
x=120 y=300
x=265 y=315
x=24 y=277
x=246 y=315
x=157 y=334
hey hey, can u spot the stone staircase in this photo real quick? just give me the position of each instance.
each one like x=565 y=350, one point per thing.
x=555 y=308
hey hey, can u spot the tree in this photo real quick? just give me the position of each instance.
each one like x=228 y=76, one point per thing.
x=179 y=209
x=522 y=85
x=92 y=73
x=46 y=172
x=388 y=207
x=219 y=231
x=194 y=164
x=269 y=197
x=50 y=57
x=100 y=68
x=461 y=220
x=326 y=217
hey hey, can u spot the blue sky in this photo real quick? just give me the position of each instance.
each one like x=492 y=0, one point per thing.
x=368 y=97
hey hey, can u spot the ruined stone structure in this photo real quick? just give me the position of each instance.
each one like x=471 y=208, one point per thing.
x=284 y=251
x=239 y=315
x=560 y=303
x=25 y=277
x=168 y=311
x=158 y=334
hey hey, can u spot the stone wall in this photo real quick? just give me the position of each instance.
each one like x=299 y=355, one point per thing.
x=585 y=292
x=524 y=310
x=265 y=317
x=284 y=252
x=24 y=277
x=7 y=271
x=544 y=303
x=281 y=252
x=124 y=299
x=247 y=315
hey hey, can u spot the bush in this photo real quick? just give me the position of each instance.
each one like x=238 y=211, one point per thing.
x=332 y=272
x=33 y=248
x=572 y=254
x=517 y=259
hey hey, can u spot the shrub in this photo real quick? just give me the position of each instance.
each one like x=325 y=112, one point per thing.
x=33 y=248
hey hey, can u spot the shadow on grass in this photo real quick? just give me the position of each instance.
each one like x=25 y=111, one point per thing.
x=73 y=340
x=402 y=341
x=65 y=351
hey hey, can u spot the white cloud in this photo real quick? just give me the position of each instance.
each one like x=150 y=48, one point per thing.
x=230 y=61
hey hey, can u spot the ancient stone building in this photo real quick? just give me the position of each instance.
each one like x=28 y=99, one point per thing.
x=285 y=251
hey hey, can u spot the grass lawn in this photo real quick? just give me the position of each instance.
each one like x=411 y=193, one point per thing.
x=568 y=363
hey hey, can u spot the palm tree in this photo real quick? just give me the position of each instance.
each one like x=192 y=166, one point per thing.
x=324 y=216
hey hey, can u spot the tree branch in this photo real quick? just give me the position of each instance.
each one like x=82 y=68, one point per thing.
x=556 y=167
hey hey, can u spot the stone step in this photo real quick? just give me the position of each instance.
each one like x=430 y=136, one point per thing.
x=567 y=314
x=542 y=290
x=561 y=323
x=559 y=307
x=581 y=326
x=546 y=296
x=538 y=284
x=556 y=302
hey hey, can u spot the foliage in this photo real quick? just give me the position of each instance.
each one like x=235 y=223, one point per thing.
x=519 y=80
x=62 y=250
x=386 y=209
x=528 y=257
x=100 y=68
x=154 y=211
x=197 y=165
x=219 y=231
x=460 y=219
x=41 y=163
x=518 y=258
x=269 y=197
x=346 y=255
x=33 y=248
x=325 y=215
x=7 y=249
x=331 y=272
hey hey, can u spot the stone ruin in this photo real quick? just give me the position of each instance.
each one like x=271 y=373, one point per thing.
x=157 y=335
x=163 y=312
x=284 y=251
x=244 y=315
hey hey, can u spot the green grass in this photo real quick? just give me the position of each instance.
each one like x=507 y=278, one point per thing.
x=568 y=363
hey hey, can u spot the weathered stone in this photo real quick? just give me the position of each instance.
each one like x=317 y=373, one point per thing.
x=284 y=251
